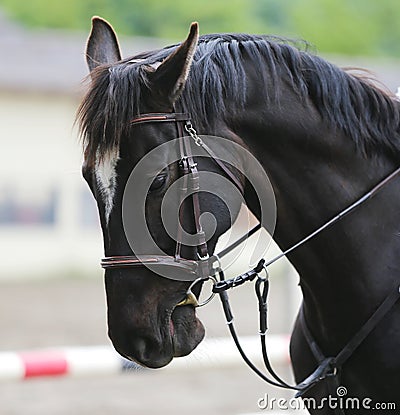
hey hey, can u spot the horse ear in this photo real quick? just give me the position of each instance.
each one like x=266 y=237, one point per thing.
x=170 y=76
x=102 y=45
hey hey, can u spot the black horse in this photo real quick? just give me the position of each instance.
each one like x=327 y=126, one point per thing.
x=324 y=136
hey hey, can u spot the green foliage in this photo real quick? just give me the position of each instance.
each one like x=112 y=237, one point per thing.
x=349 y=26
x=358 y=27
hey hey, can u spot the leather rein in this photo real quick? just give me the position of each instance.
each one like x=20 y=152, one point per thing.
x=209 y=267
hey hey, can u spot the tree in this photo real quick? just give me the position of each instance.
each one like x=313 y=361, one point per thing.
x=358 y=27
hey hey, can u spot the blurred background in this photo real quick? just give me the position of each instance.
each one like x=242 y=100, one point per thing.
x=51 y=288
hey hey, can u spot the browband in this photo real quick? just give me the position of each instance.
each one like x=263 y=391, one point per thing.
x=160 y=117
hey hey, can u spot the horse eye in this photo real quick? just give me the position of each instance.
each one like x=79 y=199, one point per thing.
x=158 y=182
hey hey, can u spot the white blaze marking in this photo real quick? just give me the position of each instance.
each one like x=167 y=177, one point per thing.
x=106 y=179
x=398 y=93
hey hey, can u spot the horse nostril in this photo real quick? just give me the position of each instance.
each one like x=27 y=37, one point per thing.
x=148 y=352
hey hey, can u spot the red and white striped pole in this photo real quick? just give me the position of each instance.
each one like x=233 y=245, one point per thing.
x=93 y=360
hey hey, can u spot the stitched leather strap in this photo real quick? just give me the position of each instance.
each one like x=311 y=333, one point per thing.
x=160 y=117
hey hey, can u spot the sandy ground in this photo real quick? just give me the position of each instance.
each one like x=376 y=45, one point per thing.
x=72 y=312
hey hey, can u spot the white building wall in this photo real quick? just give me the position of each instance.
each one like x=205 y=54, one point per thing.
x=40 y=153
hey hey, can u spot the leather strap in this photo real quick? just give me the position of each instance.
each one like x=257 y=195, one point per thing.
x=160 y=117
x=329 y=368
x=221 y=165
x=129 y=261
x=368 y=326
x=315 y=349
x=189 y=171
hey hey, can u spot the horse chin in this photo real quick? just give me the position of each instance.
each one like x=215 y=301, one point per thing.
x=186 y=330
x=180 y=336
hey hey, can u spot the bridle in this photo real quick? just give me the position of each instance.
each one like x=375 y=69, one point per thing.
x=200 y=269
x=209 y=266
x=187 y=170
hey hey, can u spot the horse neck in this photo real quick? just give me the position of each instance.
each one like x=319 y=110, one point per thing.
x=316 y=172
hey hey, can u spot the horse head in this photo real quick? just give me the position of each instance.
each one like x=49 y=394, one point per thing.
x=130 y=167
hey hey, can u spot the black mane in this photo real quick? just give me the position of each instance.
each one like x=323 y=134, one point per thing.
x=352 y=103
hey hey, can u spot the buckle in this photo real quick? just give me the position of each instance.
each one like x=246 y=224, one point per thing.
x=325 y=369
